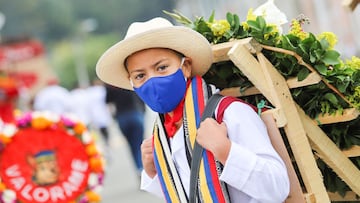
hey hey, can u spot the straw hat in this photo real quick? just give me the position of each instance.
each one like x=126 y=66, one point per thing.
x=155 y=33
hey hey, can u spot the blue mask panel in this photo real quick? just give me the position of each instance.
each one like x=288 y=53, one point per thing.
x=163 y=94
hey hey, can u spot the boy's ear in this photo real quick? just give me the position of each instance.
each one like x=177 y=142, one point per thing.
x=187 y=67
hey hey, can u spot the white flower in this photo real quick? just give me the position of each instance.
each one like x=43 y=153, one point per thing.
x=53 y=117
x=86 y=137
x=271 y=14
x=93 y=180
x=8 y=196
x=9 y=130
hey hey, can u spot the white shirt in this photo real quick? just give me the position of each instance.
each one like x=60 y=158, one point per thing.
x=100 y=115
x=81 y=105
x=253 y=171
x=53 y=98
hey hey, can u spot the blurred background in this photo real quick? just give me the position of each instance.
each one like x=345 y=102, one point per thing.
x=43 y=38
x=76 y=33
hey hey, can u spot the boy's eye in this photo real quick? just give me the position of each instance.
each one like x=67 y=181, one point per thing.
x=162 y=67
x=139 y=76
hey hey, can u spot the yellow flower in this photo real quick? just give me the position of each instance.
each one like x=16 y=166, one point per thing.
x=273 y=32
x=4 y=139
x=2 y=186
x=92 y=196
x=250 y=15
x=96 y=164
x=91 y=149
x=245 y=26
x=79 y=128
x=219 y=27
x=354 y=63
x=330 y=37
x=297 y=30
x=40 y=123
x=355 y=97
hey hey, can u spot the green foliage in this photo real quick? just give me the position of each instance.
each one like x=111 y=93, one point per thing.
x=64 y=61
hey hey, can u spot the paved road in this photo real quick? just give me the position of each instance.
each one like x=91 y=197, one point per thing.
x=121 y=183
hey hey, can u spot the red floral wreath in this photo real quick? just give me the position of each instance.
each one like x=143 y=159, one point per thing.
x=48 y=158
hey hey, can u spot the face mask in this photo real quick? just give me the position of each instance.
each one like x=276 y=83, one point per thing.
x=163 y=94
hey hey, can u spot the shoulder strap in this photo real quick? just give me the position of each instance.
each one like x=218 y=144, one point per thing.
x=226 y=102
x=198 y=149
x=209 y=111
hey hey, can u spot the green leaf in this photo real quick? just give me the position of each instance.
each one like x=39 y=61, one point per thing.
x=331 y=98
x=318 y=54
x=322 y=69
x=286 y=42
x=212 y=16
x=254 y=25
x=262 y=23
x=324 y=43
x=312 y=57
x=331 y=57
x=179 y=17
x=303 y=73
x=237 y=23
x=230 y=18
x=342 y=86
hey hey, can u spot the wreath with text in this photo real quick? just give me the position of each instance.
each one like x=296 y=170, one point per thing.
x=49 y=158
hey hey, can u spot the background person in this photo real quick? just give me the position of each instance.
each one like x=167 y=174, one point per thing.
x=53 y=97
x=129 y=115
x=100 y=115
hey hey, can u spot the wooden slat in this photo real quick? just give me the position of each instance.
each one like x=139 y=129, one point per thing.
x=247 y=63
x=349 y=196
x=220 y=51
x=295 y=131
x=236 y=91
x=354 y=151
x=348 y=115
x=311 y=79
x=296 y=194
x=330 y=153
x=273 y=86
x=310 y=198
x=350 y=4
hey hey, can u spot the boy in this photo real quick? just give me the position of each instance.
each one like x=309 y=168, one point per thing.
x=163 y=64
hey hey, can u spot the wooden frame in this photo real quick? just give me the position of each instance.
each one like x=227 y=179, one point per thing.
x=350 y=4
x=303 y=133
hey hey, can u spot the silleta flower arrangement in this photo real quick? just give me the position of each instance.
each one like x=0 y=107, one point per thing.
x=294 y=54
x=49 y=158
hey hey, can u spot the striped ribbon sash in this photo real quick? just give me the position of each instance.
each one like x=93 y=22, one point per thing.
x=169 y=178
x=211 y=189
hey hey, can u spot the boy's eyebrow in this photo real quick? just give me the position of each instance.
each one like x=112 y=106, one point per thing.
x=158 y=62
x=153 y=65
x=136 y=70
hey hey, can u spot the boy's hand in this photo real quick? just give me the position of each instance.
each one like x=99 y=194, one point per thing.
x=213 y=136
x=148 y=157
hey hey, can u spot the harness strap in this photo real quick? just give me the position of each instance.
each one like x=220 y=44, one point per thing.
x=198 y=149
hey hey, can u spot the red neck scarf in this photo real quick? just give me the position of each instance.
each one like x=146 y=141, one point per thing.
x=170 y=121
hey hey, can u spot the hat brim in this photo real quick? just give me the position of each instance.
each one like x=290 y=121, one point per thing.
x=110 y=67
